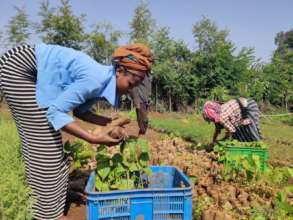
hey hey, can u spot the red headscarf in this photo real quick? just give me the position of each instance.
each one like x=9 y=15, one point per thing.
x=212 y=110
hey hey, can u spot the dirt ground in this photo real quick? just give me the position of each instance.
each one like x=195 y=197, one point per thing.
x=216 y=198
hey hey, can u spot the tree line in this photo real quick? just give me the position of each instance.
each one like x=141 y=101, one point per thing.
x=182 y=77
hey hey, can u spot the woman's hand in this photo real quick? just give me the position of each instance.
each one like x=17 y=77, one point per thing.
x=105 y=138
x=101 y=137
x=111 y=136
x=118 y=132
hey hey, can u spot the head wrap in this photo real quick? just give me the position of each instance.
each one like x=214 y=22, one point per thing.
x=137 y=57
x=211 y=111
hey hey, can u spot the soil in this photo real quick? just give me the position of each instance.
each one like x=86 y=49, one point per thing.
x=221 y=199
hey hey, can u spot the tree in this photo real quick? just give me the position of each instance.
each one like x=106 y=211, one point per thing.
x=215 y=64
x=142 y=24
x=284 y=41
x=61 y=26
x=171 y=70
x=102 y=42
x=280 y=71
x=208 y=36
x=18 y=29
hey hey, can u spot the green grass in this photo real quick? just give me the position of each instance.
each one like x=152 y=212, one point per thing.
x=15 y=202
x=279 y=137
x=190 y=127
x=278 y=134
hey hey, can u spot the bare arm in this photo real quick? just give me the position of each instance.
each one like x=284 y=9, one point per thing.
x=102 y=138
x=93 y=118
x=216 y=133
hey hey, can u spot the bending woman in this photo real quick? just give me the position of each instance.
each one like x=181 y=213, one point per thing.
x=41 y=85
x=239 y=117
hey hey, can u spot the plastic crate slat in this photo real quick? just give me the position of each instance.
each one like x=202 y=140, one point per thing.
x=168 y=217
x=115 y=218
x=111 y=215
x=169 y=212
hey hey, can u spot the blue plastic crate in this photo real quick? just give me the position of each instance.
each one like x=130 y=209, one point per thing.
x=164 y=199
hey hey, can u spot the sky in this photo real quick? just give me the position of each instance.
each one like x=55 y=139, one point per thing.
x=252 y=23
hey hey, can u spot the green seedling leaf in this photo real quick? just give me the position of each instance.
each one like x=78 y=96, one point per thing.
x=143 y=159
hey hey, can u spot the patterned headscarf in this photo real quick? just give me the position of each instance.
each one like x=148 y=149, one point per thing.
x=211 y=111
x=136 y=57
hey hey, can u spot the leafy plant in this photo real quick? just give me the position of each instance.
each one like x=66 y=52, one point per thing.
x=239 y=167
x=242 y=167
x=283 y=208
x=79 y=151
x=126 y=169
x=278 y=176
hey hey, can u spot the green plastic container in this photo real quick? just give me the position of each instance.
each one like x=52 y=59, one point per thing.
x=249 y=151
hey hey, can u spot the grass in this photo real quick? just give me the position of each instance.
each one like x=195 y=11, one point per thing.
x=15 y=202
x=190 y=127
x=278 y=134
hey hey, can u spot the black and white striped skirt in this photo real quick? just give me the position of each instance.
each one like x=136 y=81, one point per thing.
x=251 y=132
x=46 y=167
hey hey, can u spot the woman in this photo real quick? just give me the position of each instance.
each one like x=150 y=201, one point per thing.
x=41 y=85
x=141 y=98
x=239 y=117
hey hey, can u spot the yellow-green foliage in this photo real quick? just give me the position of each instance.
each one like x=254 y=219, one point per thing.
x=189 y=127
x=15 y=202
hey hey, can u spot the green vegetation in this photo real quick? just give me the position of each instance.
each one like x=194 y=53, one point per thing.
x=80 y=152
x=182 y=76
x=190 y=127
x=278 y=136
x=235 y=143
x=243 y=165
x=124 y=169
x=15 y=201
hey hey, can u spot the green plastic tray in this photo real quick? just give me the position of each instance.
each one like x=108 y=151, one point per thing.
x=249 y=151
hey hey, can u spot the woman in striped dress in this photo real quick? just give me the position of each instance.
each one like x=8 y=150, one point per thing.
x=41 y=85
x=239 y=117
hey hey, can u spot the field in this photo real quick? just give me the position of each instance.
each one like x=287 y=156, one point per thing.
x=277 y=133
x=179 y=139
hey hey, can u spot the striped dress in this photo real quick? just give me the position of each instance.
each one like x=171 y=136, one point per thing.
x=250 y=132
x=46 y=167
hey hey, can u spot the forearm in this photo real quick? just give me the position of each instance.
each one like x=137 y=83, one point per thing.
x=93 y=118
x=142 y=118
x=75 y=130
x=216 y=134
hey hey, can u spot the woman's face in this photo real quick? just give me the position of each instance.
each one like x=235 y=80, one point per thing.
x=126 y=80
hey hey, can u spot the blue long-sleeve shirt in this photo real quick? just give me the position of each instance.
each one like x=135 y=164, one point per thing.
x=68 y=79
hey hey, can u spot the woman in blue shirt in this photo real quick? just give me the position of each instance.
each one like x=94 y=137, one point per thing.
x=41 y=85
